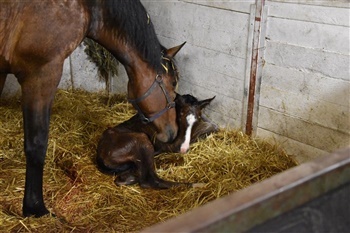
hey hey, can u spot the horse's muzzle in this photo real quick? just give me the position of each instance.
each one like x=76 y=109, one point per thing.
x=168 y=134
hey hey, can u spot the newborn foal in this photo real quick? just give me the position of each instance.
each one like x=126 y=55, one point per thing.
x=128 y=149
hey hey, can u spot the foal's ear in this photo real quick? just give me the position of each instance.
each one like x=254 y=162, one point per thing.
x=173 y=51
x=203 y=103
x=179 y=99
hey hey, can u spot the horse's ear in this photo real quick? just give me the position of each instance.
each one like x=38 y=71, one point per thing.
x=204 y=103
x=173 y=51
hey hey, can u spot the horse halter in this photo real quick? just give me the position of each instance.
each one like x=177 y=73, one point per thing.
x=170 y=103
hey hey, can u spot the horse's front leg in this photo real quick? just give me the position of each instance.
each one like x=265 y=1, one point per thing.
x=2 y=82
x=38 y=91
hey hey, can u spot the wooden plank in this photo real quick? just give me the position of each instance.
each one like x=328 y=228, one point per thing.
x=256 y=204
x=329 y=3
x=225 y=85
x=232 y=5
x=303 y=131
x=324 y=214
x=331 y=15
x=308 y=85
x=307 y=108
x=248 y=67
x=330 y=38
x=308 y=60
x=298 y=150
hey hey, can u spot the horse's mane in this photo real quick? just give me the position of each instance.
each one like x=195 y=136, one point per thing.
x=131 y=23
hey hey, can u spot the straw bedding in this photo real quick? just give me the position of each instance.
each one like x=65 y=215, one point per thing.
x=86 y=200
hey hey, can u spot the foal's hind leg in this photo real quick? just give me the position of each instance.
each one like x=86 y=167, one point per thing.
x=148 y=177
x=38 y=89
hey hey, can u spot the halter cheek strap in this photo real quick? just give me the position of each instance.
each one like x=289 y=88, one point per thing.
x=170 y=103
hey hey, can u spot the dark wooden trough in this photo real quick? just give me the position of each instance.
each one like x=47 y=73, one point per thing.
x=312 y=197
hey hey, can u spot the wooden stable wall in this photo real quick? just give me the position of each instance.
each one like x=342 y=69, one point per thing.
x=303 y=100
x=305 y=91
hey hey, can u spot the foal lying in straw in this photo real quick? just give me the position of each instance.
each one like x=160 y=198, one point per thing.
x=128 y=149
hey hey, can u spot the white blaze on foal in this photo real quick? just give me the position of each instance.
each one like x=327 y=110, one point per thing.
x=191 y=119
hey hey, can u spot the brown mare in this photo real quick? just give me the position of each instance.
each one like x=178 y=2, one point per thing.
x=37 y=36
x=128 y=149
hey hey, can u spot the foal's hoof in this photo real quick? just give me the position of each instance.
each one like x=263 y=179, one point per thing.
x=125 y=180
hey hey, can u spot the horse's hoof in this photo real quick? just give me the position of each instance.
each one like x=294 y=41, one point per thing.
x=37 y=213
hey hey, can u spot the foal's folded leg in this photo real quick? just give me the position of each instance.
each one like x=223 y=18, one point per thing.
x=144 y=161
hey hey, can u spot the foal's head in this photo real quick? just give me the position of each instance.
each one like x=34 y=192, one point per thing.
x=189 y=111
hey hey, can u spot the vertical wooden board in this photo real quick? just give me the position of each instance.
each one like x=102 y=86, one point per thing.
x=300 y=151
x=331 y=15
x=232 y=5
x=308 y=60
x=299 y=130
x=330 y=38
